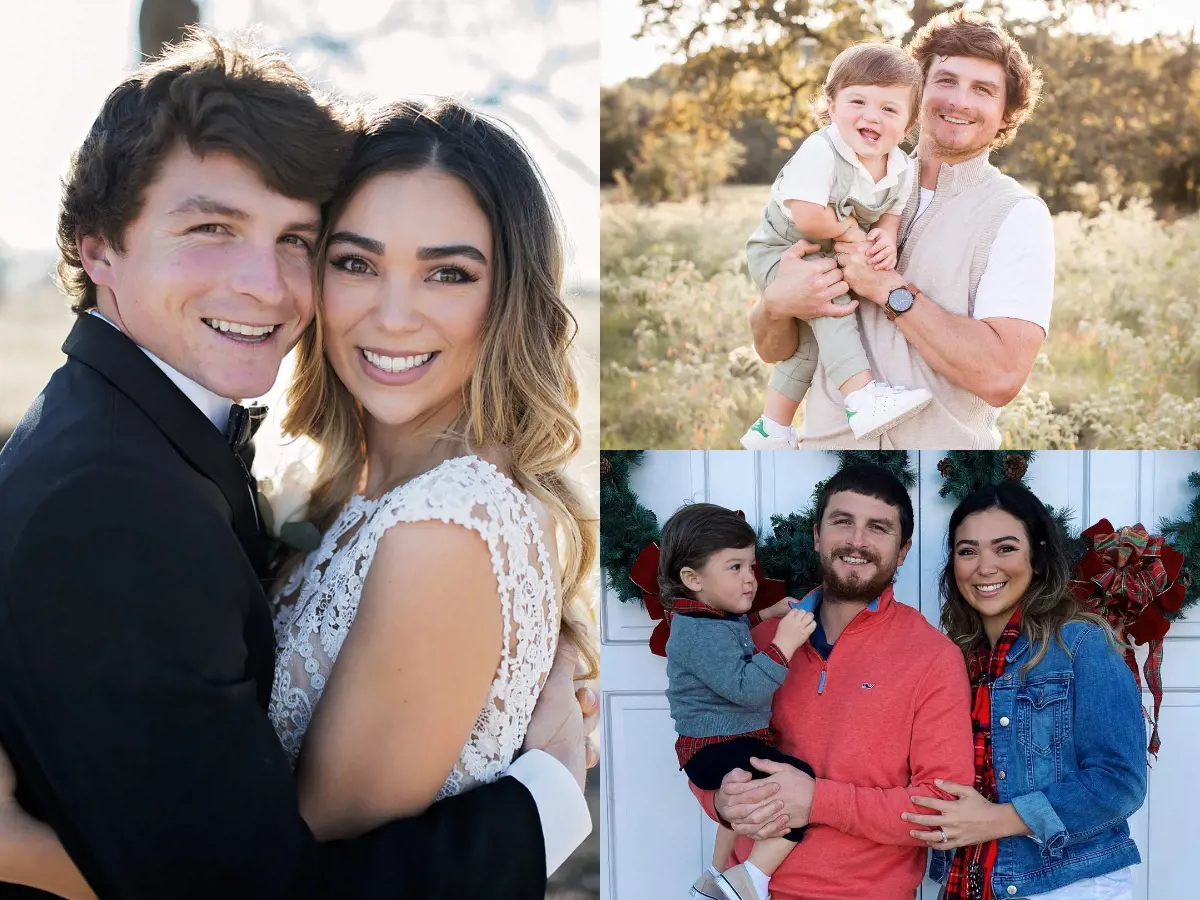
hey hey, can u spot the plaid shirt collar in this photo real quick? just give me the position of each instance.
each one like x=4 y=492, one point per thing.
x=986 y=661
x=687 y=606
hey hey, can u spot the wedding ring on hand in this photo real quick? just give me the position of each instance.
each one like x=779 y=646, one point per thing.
x=944 y=838
x=840 y=261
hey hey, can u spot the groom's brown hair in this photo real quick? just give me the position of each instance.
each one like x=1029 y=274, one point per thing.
x=212 y=95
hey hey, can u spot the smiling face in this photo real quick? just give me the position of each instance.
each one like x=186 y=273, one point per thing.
x=726 y=580
x=858 y=540
x=872 y=118
x=992 y=566
x=406 y=286
x=962 y=110
x=215 y=278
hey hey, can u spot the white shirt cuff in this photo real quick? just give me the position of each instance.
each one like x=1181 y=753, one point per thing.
x=562 y=808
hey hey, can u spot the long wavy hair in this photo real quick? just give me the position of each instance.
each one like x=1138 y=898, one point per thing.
x=1047 y=605
x=523 y=392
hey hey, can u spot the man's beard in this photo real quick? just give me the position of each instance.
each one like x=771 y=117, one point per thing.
x=855 y=589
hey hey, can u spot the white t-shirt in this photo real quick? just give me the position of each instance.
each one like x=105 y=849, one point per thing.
x=809 y=174
x=1018 y=281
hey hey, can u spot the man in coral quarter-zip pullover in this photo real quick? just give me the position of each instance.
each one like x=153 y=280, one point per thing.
x=877 y=703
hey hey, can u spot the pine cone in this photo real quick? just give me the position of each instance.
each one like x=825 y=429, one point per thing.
x=1014 y=466
x=605 y=467
x=945 y=467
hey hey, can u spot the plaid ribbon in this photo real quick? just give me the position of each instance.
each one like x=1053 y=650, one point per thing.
x=970 y=875
x=1132 y=579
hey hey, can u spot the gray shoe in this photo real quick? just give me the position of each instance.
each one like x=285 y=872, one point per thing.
x=706 y=888
x=735 y=883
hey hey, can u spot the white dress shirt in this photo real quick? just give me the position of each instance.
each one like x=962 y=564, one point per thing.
x=562 y=809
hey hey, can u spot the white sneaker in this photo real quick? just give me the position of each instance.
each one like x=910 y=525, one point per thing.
x=874 y=409
x=766 y=434
x=706 y=888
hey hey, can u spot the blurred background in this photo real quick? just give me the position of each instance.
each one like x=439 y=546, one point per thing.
x=533 y=63
x=702 y=104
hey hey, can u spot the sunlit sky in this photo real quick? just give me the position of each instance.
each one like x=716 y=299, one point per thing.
x=62 y=57
x=623 y=57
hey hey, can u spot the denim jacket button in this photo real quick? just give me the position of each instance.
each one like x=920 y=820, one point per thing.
x=1000 y=775
x=1004 y=720
x=1012 y=889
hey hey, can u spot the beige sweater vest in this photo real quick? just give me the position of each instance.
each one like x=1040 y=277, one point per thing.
x=944 y=253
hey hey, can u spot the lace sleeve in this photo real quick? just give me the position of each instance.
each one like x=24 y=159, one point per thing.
x=474 y=494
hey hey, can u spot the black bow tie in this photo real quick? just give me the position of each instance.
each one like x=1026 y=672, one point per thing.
x=242 y=425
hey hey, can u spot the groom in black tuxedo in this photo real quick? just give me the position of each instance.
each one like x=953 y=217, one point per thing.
x=136 y=644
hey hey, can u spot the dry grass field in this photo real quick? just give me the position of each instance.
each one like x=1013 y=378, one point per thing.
x=1120 y=369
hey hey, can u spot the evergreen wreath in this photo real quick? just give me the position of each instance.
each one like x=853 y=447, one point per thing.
x=1184 y=535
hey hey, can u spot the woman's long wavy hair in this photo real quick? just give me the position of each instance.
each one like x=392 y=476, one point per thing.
x=1047 y=605
x=523 y=392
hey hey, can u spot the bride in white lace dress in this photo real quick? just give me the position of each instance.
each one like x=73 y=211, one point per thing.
x=414 y=641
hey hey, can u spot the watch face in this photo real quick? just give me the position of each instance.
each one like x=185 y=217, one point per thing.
x=900 y=299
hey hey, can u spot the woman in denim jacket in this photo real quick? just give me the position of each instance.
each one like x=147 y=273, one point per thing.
x=1060 y=740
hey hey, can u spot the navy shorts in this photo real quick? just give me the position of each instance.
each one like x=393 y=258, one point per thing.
x=714 y=762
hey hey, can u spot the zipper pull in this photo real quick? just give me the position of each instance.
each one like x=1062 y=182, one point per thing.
x=821 y=683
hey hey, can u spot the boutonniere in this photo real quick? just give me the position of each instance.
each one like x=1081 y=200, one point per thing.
x=283 y=507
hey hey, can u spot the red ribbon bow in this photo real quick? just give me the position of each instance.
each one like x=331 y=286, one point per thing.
x=1131 y=579
x=644 y=574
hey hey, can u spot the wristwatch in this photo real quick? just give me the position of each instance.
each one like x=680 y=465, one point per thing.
x=900 y=300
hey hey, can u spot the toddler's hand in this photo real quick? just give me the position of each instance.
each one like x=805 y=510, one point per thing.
x=777 y=610
x=796 y=628
x=882 y=254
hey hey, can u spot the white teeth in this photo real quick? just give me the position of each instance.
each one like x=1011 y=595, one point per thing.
x=239 y=328
x=396 y=363
x=854 y=560
x=956 y=121
x=990 y=588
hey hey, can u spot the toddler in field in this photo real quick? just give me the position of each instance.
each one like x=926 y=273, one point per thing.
x=848 y=177
x=720 y=686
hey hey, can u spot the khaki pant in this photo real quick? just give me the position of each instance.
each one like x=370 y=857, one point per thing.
x=833 y=340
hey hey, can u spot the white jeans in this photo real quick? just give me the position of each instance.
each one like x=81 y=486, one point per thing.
x=1116 y=885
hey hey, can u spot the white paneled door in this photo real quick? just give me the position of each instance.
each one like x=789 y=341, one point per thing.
x=655 y=837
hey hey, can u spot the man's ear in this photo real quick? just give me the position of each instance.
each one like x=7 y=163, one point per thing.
x=904 y=548
x=817 y=537
x=95 y=254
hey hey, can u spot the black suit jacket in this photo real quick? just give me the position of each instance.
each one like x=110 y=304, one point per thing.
x=136 y=661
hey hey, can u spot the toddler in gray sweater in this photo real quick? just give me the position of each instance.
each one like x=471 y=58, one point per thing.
x=720 y=686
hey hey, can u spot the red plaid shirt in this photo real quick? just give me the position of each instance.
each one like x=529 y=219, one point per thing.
x=970 y=875
x=688 y=747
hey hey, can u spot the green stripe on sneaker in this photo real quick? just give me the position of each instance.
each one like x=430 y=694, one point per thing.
x=761 y=427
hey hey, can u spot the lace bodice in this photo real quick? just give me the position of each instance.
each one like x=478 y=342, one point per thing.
x=317 y=604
